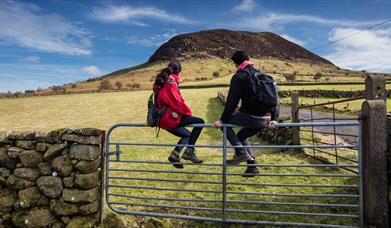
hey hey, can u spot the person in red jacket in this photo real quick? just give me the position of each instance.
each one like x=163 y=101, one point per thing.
x=177 y=114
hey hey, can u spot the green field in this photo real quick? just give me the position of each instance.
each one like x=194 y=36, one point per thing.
x=102 y=110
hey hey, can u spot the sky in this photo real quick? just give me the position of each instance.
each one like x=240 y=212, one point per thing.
x=52 y=42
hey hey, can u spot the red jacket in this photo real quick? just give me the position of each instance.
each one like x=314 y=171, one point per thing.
x=170 y=97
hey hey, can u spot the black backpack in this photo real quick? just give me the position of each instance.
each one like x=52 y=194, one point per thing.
x=154 y=114
x=263 y=89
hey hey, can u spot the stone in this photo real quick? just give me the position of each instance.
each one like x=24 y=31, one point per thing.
x=7 y=202
x=4 y=192
x=44 y=168
x=43 y=201
x=90 y=208
x=25 y=135
x=4 y=137
x=15 y=182
x=57 y=134
x=19 y=218
x=84 y=152
x=93 y=140
x=61 y=208
x=30 y=158
x=88 y=132
x=65 y=219
x=29 y=197
x=112 y=220
x=4 y=172
x=27 y=173
x=57 y=224
x=80 y=196
x=42 y=147
x=26 y=144
x=39 y=217
x=82 y=221
x=62 y=165
x=55 y=150
x=19 y=165
x=3 y=181
x=87 y=181
x=6 y=160
x=68 y=181
x=50 y=186
x=43 y=137
x=88 y=166
x=14 y=152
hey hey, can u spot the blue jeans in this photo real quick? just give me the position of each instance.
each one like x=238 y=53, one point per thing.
x=187 y=137
x=251 y=126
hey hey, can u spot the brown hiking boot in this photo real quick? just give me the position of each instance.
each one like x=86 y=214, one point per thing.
x=190 y=155
x=238 y=158
x=174 y=158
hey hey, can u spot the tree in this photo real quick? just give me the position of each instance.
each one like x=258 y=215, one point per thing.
x=119 y=84
x=317 y=76
x=105 y=84
x=290 y=77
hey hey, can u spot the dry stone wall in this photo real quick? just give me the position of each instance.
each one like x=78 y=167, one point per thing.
x=50 y=179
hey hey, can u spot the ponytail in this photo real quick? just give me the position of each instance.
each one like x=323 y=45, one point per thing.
x=175 y=66
x=162 y=77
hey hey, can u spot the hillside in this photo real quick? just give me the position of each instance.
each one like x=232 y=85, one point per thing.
x=223 y=43
x=205 y=58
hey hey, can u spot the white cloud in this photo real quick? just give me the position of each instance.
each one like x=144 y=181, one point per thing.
x=245 y=6
x=154 y=40
x=369 y=50
x=292 y=39
x=134 y=15
x=25 y=25
x=92 y=70
x=273 y=21
x=32 y=59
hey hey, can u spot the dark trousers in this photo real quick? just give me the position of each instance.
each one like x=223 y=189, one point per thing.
x=251 y=126
x=187 y=137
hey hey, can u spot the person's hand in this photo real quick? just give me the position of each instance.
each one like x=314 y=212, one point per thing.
x=218 y=124
x=272 y=124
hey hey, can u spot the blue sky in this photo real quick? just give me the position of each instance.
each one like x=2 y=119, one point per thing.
x=51 y=42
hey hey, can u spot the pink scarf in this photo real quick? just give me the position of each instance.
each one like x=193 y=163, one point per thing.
x=244 y=64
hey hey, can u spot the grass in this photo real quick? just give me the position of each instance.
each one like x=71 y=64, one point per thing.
x=105 y=109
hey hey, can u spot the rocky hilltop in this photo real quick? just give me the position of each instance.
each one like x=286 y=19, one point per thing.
x=222 y=43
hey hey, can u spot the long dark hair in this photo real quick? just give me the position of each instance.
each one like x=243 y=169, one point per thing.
x=162 y=77
x=175 y=66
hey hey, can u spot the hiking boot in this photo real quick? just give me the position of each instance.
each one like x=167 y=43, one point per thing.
x=190 y=155
x=251 y=171
x=238 y=158
x=174 y=157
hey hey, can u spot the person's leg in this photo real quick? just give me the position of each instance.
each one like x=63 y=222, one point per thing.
x=189 y=153
x=241 y=155
x=174 y=156
x=243 y=136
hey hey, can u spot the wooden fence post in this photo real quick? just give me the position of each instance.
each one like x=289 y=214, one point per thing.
x=295 y=117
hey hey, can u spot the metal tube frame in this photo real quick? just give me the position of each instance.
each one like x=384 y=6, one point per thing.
x=224 y=209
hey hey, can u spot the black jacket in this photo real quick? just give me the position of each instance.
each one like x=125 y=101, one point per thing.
x=239 y=89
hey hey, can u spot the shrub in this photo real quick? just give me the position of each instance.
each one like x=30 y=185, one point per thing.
x=119 y=84
x=290 y=77
x=216 y=74
x=58 y=88
x=317 y=76
x=105 y=84
x=73 y=85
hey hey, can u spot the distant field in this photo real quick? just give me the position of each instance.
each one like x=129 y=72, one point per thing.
x=105 y=109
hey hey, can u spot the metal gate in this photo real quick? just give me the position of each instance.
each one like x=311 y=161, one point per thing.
x=291 y=189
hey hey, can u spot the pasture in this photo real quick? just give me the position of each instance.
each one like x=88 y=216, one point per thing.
x=101 y=110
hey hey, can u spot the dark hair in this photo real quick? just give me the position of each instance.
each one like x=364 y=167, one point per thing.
x=175 y=66
x=162 y=77
x=239 y=57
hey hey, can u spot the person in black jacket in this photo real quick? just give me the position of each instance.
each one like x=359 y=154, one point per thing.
x=252 y=118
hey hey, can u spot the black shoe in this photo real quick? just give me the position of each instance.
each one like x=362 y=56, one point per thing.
x=238 y=158
x=190 y=155
x=251 y=171
x=174 y=157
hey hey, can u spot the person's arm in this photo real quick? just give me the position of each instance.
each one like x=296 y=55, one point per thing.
x=175 y=101
x=233 y=99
